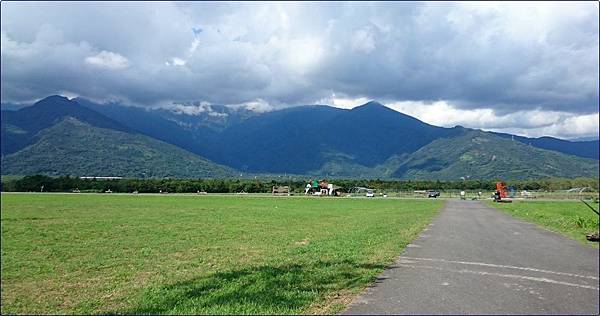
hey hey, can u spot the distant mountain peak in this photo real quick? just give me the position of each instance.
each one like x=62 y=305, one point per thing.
x=371 y=104
x=55 y=103
x=376 y=112
x=52 y=99
x=50 y=110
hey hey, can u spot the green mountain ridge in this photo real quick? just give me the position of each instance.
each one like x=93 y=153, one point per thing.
x=483 y=155
x=472 y=155
x=58 y=136
x=72 y=147
x=76 y=148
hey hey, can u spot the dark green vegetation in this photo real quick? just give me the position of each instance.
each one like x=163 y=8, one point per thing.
x=570 y=218
x=67 y=253
x=483 y=155
x=369 y=141
x=304 y=139
x=86 y=143
x=81 y=149
x=264 y=185
x=20 y=128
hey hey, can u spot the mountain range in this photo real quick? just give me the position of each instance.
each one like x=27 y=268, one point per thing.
x=58 y=136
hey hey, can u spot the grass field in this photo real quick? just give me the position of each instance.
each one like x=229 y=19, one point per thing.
x=69 y=253
x=570 y=218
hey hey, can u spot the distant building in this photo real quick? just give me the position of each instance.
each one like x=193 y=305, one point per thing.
x=101 y=178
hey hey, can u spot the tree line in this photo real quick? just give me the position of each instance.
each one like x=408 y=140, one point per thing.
x=39 y=183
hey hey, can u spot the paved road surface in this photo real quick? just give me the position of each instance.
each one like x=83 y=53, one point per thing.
x=476 y=260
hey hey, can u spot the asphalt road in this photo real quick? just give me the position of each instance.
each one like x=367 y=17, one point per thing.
x=476 y=260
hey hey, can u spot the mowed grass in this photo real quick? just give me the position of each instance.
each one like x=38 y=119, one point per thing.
x=570 y=218
x=69 y=253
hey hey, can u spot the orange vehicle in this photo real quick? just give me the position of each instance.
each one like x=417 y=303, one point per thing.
x=501 y=193
x=501 y=189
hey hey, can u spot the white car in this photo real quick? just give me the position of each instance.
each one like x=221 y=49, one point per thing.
x=370 y=193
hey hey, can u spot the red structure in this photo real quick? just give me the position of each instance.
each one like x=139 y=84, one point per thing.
x=502 y=190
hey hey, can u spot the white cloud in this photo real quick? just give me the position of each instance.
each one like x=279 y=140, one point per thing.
x=343 y=102
x=69 y=94
x=194 y=109
x=531 y=123
x=364 y=40
x=106 y=59
x=194 y=46
x=298 y=55
x=258 y=105
x=485 y=61
x=567 y=127
x=189 y=109
x=175 y=61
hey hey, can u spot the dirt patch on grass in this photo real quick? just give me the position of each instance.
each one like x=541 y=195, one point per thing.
x=332 y=304
x=302 y=242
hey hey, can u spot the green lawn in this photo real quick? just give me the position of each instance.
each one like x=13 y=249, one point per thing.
x=570 y=218
x=69 y=253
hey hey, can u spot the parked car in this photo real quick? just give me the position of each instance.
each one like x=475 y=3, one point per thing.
x=370 y=193
x=433 y=194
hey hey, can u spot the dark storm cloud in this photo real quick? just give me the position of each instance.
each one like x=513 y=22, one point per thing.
x=505 y=57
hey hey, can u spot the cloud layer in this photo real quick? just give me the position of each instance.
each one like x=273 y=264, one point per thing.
x=494 y=59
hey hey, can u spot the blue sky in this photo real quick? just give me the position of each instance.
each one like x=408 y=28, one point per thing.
x=526 y=68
